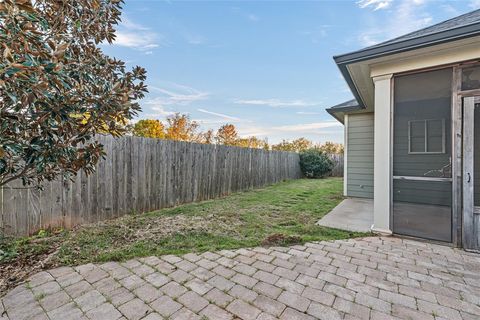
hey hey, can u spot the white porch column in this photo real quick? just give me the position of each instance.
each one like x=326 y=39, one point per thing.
x=382 y=154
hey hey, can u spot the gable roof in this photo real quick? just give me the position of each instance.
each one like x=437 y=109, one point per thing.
x=347 y=106
x=464 y=26
x=461 y=27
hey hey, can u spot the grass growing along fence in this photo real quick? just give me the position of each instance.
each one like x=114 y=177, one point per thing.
x=140 y=175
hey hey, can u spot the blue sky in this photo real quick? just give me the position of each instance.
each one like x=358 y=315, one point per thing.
x=265 y=66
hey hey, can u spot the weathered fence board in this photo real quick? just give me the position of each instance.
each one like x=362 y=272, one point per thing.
x=140 y=175
x=338 y=168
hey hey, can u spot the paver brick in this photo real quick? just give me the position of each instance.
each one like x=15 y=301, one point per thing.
x=142 y=270
x=135 y=309
x=185 y=314
x=218 y=297
x=212 y=312
x=398 y=299
x=318 y=296
x=266 y=277
x=147 y=293
x=286 y=273
x=267 y=289
x=67 y=311
x=105 y=311
x=244 y=280
x=269 y=305
x=291 y=314
x=90 y=300
x=221 y=283
x=120 y=296
x=319 y=311
x=199 y=286
x=186 y=265
x=224 y=272
x=411 y=314
x=39 y=278
x=369 y=278
x=55 y=300
x=132 y=282
x=79 y=288
x=157 y=279
x=202 y=273
x=290 y=285
x=294 y=301
x=243 y=310
x=245 y=269
x=173 y=289
x=261 y=265
x=373 y=303
x=180 y=276
x=165 y=306
x=193 y=301
x=207 y=264
x=47 y=288
x=352 y=308
x=243 y=293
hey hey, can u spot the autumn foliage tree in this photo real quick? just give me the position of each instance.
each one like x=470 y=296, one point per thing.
x=58 y=89
x=149 y=128
x=227 y=135
x=181 y=128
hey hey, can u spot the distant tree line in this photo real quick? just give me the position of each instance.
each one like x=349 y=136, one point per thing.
x=181 y=128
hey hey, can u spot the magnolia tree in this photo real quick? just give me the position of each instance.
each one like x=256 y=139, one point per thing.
x=58 y=89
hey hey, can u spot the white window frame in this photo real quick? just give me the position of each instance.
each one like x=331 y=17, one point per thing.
x=425 y=126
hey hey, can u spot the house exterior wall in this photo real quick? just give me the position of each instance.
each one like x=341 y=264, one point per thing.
x=359 y=131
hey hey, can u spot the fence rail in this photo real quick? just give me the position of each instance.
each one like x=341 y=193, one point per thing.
x=140 y=175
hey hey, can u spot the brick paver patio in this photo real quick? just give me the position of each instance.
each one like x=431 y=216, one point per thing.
x=369 y=278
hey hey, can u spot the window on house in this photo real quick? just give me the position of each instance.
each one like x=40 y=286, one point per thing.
x=426 y=136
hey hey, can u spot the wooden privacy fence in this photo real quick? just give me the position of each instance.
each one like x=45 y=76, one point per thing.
x=139 y=175
x=338 y=161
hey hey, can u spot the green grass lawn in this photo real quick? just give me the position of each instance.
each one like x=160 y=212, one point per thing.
x=280 y=214
x=287 y=210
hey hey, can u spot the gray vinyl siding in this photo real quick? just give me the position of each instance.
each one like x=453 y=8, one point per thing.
x=360 y=155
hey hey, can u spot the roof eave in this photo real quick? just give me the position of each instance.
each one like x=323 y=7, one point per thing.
x=410 y=44
x=384 y=50
x=334 y=111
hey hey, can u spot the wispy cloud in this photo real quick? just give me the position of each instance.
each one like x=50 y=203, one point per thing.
x=474 y=4
x=407 y=16
x=169 y=98
x=308 y=127
x=133 y=35
x=307 y=113
x=297 y=130
x=177 y=94
x=220 y=115
x=276 y=103
x=253 y=17
x=317 y=33
x=375 y=4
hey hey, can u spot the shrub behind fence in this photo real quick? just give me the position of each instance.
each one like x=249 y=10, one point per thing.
x=140 y=175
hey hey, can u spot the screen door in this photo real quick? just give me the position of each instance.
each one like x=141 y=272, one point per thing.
x=471 y=173
x=422 y=155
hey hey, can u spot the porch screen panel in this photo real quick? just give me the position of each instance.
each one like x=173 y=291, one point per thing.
x=422 y=177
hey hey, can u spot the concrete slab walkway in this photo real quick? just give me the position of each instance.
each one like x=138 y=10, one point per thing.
x=353 y=214
x=369 y=278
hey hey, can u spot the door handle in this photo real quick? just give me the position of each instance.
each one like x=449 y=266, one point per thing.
x=469 y=177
